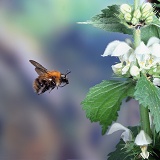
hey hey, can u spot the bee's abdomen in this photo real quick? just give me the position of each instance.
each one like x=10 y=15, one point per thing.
x=42 y=85
x=37 y=85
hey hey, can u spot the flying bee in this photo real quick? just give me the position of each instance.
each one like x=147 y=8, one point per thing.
x=48 y=80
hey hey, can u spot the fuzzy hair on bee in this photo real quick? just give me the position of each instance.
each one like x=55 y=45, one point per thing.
x=48 y=80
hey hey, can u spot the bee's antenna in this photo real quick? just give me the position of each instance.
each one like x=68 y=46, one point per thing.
x=68 y=71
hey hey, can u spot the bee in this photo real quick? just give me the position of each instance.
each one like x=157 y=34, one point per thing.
x=48 y=80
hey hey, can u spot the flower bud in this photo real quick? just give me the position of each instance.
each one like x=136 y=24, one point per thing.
x=125 y=8
x=149 y=20
x=121 y=16
x=134 y=21
x=146 y=14
x=137 y=13
x=127 y=17
x=146 y=7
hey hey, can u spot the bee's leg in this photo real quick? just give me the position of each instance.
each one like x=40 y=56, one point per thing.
x=43 y=86
x=52 y=86
x=63 y=85
x=41 y=90
x=51 y=89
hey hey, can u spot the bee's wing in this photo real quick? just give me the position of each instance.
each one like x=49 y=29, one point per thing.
x=39 y=68
x=40 y=71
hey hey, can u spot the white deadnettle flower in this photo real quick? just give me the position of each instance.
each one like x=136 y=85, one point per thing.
x=144 y=56
x=154 y=45
x=116 y=48
x=126 y=135
x=122 y=50
x=142 y=140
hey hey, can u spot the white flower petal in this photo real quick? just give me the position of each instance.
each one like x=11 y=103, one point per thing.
x=117 y=68
x=125 y=69
x=110 y=48
x=121 y=49
x=152 y=41
x=155 y=50
x=116 y=127
x=155 y=61
x=126 y=135
x=142 y=49
x=132 y=57
x=156 y=81
x=118 y=65
x=143 y=55
x=134 y=71
x=142 y=139
x=126 y=56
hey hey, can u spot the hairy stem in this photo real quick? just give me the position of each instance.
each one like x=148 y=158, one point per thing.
x=136 y=4
x=144 y=112
x=144 y=116
x=137 y=37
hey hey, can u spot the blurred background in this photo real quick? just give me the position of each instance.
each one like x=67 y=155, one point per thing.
x=53 y=126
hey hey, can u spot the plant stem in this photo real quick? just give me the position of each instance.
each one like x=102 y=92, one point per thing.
x=144 y=112
x=136 y=4
x=137 y=37
x=145 y=124
x=136 y=32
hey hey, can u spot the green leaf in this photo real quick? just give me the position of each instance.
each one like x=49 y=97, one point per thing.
x=108 y=21
x=103 y=101
x=149 y=96
x=156 y=21
x=120 y=152
x=150 y=31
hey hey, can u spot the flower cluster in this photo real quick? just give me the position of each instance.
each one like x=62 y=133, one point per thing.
x=142 y=139
x=140 y=16
x=145 y=58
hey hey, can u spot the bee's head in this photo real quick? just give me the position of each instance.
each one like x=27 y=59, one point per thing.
x=64 y=78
